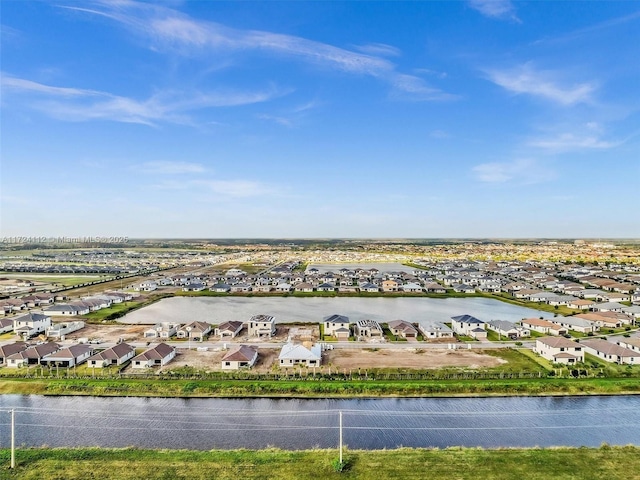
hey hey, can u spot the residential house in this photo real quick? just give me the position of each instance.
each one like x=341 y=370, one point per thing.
x=230 y=329
x=303 y=287
x=31 y=355
x=631 y=343
x=368 y=328
x=412 y=288
x=434 y=329
x=241 y=288
x=162 y=330
x=68 y=310
x=508 y=329
x=337 y=326
x=610 y=352
x=577 y=324
x=240 y=356
x=543 y=326
x=194 y=287
x=195 y=331
x=369 y=287
x=58 y=330
x=147 y=286
x=559 y=350
x=469 y=325
x=6 y=325
x=158 y=355
x=581 y=304
x=390 y=285
x=608 y=307
x=297 y=354
x=262 y=326
x=31 y=324
x=403 y=329
x=326 y=287
x=220 y=288
x=68 y=357
x=116 y=355
x=10 y=349
x=435 y=288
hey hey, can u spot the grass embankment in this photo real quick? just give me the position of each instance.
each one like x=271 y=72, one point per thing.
x=321 y=388
x=606 y=462
x=118 y=310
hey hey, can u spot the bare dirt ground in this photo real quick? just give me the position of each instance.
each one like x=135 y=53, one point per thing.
x=409 y=358
x=210 y=360
x=109 y=333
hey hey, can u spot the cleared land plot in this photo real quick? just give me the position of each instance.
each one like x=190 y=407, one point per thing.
x=210 y=361
x=410 y=358
x=109 y=333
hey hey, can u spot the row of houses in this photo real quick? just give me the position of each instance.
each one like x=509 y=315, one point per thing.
x=34 y=323
x=568 y=352
x=21 y=354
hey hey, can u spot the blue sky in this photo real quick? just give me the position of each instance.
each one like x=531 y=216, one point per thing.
x=485 y=118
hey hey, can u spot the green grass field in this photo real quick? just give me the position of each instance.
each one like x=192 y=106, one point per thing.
x=610 y=463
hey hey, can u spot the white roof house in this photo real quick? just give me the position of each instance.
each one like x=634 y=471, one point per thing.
x=297 y=354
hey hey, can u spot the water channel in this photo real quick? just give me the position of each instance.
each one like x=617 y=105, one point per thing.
x=204 y=424
x=312 y=309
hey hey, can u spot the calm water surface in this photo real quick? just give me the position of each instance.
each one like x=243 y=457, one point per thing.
x=299 y=424
x=312 y=309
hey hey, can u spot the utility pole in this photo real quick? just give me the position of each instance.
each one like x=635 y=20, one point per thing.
x=13 y=439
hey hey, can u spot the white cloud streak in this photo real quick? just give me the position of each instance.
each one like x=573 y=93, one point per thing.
x=569 y=142
x=74 y=104
x=170 y=168
x=521 y=171
x=526 y=80
x=173 y=30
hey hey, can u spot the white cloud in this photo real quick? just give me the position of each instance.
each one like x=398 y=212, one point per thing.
x=521 y=171
x=170 y=29
x=502 y=9
x=379 y=49
x=75 y=104
x=410 y=87
x=570 y=141
x=525 y=79
x=170 y=168
x=236 y=188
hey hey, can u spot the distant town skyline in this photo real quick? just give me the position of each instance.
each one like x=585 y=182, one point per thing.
x=171 y=119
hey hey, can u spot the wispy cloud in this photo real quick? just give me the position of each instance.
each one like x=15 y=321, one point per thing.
x=237 y=188
x=521 y=171
x=169 y=168
x=409 y=87
x=223 y=189
x=379 y=49
x=169 y=29
x=502 y=9
x=525 y=79
x=74 y=104
x=569 y=141
x=604 y=25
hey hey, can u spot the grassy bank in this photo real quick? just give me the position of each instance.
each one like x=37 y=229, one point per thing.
x=320 y=388
x=606 y=462
x=118 y=310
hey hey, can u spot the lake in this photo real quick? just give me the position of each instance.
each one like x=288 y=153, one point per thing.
x=312 y=309
x=204 y=424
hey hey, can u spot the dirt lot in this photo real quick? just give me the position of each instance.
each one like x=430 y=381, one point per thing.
x=109 y=333
x=409 y=358
x=210 y=360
